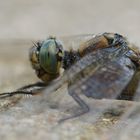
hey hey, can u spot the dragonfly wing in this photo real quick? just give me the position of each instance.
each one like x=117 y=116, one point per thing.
x=76 y=40
x=104 y=78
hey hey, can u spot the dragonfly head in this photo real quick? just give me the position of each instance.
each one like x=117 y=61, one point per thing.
x=47 y=55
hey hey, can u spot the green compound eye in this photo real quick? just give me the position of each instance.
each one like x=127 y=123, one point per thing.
x=50 y=56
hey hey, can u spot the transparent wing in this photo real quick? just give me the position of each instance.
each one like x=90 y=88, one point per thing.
x=75 y=41
x=104 y=81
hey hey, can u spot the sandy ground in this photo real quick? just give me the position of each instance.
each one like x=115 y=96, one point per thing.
x=36 y=118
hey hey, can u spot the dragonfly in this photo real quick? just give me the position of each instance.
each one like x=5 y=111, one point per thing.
x=97 y=66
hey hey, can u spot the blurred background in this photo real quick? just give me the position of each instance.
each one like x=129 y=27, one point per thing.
x=24 y=21
x=36 y=19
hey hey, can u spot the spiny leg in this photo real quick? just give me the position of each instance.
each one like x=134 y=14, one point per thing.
x=9 y=94
x=81 y=103
x=39 y=86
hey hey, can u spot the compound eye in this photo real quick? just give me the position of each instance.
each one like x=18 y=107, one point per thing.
x=48 y=56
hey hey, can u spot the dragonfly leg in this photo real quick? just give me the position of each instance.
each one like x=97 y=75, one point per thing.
x=36 y=88
x=81 y=103
x=38 y=84
x=10 y=94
